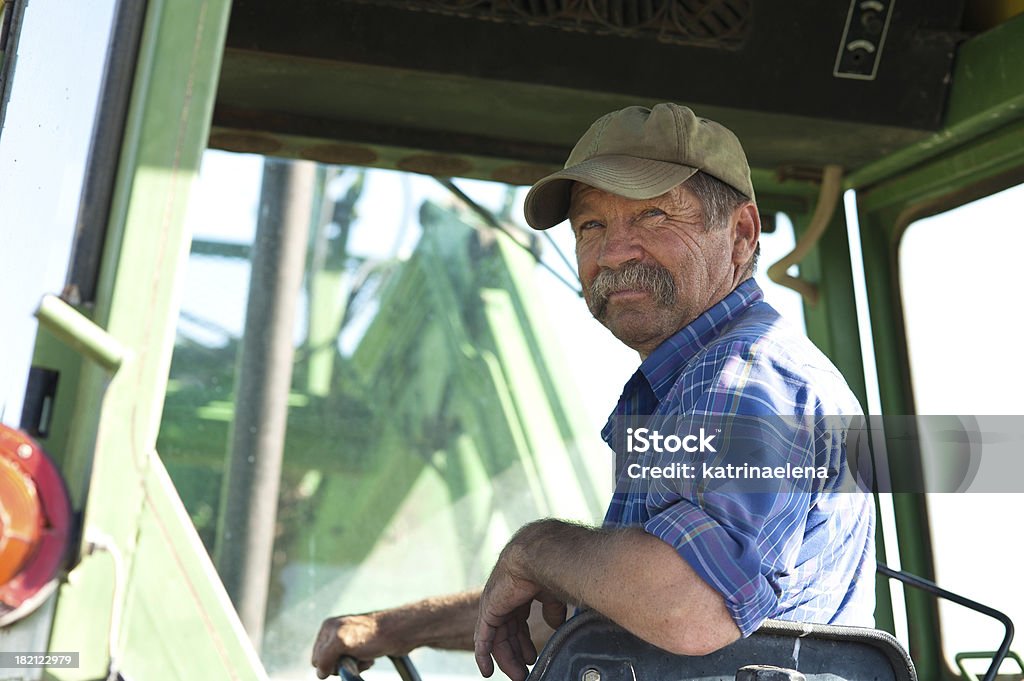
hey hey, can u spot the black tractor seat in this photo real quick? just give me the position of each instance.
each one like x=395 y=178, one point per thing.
x=589 y=647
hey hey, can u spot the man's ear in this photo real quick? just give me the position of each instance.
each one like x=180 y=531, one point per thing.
x=746 y=227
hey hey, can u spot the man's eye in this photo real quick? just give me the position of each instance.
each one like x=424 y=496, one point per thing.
x=652 y=213
x=588 y=225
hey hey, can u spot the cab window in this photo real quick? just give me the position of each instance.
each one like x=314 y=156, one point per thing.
x=959 y=277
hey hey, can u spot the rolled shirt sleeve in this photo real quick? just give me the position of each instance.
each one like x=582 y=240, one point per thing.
x=724 y=551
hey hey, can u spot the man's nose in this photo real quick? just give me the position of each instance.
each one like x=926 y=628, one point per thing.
x=620 y=245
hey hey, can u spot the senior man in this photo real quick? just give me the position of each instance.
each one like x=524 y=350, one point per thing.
x=662 y=207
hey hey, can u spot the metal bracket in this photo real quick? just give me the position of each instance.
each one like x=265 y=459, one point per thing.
x=831 y=187
x=81 y=333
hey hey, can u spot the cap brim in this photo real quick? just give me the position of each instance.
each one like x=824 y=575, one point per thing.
x=547 y=203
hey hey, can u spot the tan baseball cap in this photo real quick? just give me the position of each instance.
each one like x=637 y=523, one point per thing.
x=641 y=153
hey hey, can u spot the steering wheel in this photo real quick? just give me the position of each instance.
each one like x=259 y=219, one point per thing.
x=348 y=670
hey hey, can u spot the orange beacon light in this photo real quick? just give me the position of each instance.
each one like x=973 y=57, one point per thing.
x=35 y=519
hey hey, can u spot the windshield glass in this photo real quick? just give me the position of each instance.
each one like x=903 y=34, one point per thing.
x=446 y=385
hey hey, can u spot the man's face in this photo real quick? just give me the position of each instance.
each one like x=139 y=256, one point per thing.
x=649 y=267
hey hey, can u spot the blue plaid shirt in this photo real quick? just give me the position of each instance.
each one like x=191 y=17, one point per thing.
x=804 y=556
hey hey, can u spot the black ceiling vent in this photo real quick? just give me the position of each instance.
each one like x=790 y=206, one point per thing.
x=722 y=24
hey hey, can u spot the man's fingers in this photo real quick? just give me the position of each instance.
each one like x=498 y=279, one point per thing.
x=324 y=653
x=502 y=635
x=485 y=664
x=527 y=650
x=483 y=640
x=351 y=636
x=503 y=645
x=324 y=670
x=554 y=613
x=507 y=653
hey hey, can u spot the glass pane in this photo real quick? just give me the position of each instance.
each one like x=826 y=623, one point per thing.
x=45 y=132
x=433 y=408
x=443 y=389
x=958 y=273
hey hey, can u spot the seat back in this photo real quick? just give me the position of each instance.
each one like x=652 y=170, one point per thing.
x=591 y=648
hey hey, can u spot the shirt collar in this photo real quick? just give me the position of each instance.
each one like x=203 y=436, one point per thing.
x=663 y=366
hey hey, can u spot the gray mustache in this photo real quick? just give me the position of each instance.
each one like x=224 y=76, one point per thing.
x=654 y=279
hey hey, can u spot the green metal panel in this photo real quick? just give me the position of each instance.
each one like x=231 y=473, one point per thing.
x=887 y=331
x=174 y=625
x=167 y=586
x=987 y=93
x=988 y=164
x=832 y=321
x=884 y=615
x=988 y=80
x=913 y=536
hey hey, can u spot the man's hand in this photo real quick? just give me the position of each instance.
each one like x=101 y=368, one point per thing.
x=502 y=629
x=629 y=576
x=444 y=622
x=356 y=636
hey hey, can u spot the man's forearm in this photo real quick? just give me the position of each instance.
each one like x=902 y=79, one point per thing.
x=447 y=622
x=443 y=622
x=634 y=579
